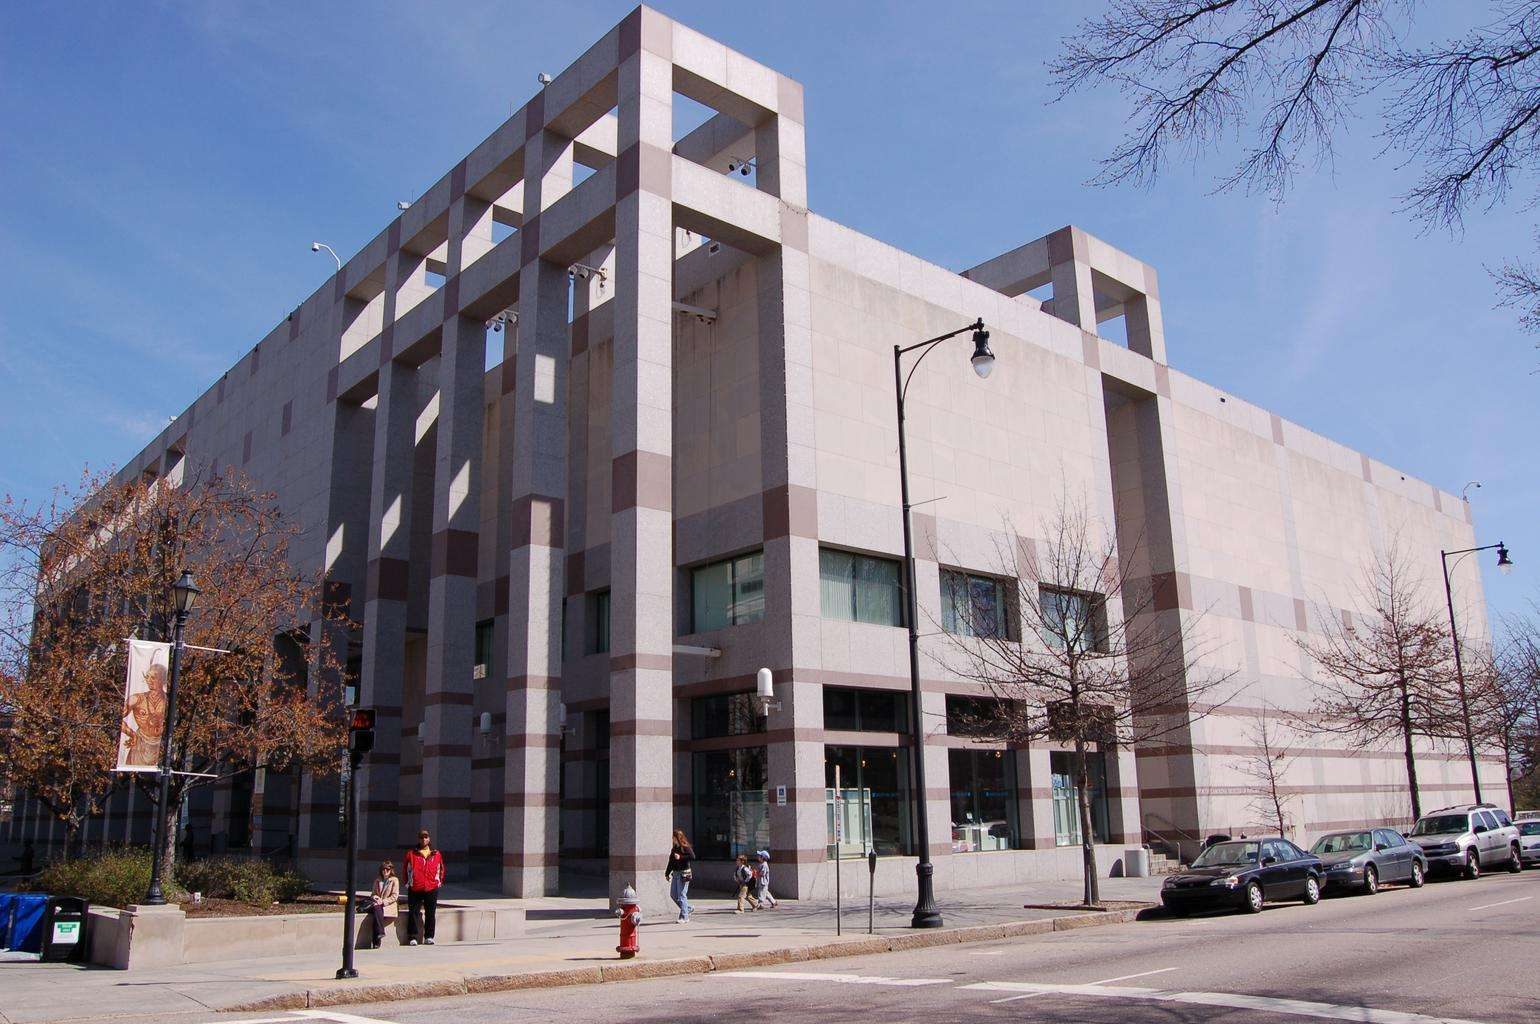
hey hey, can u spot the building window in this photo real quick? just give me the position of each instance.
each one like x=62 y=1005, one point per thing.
x=483 y=649
x=731 y=814
x=728 y=593
x=980 y=717
x=973 y=605
x=859 y=588
x=599 y=622
x=1074 y=619
x=1066 y=811
x=865 y=710
x=874 y=785
x=983 y=784
x=724 y=714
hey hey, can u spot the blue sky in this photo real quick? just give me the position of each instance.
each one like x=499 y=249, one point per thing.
x=165 y=167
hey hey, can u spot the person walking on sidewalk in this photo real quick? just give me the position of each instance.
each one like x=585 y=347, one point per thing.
x=744 y=876
x=424 y=873
x=678 y=874
x=762 y=880
x=385 y=901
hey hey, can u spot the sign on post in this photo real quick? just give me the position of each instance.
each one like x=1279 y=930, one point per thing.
x=143 y=725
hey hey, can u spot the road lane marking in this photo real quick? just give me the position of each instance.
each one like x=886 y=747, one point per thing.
x=1504 y=903
x=334 y=1017
x=846 y=979
x=1264 y=1004
x=1126 y=977
x=1012 y=999
x=988 y=952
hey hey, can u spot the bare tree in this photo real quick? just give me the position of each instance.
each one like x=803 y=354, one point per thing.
x=1384 y=672
x=1267 y=766
x=1505 y=696
x=1078 y=652
x=96 y=566
x=1284 y=76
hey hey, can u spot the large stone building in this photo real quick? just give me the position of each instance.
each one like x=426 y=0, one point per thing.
x=604 y=423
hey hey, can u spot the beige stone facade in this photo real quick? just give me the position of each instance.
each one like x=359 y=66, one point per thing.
x=689 y=370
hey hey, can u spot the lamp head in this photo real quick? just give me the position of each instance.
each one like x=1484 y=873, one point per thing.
x=983 y=359
x=315 y=246
x=1504 y=563
x=185 y=592
x=764 y=683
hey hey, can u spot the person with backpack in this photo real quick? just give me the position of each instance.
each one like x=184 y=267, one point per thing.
x=744 y=876
x=423 y=872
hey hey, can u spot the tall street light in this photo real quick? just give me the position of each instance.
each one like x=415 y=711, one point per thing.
x=1504 y=566
x=925 y=913
x=318 y=246
x=184 y=593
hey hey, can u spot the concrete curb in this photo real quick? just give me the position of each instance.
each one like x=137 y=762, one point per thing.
x=637 y=970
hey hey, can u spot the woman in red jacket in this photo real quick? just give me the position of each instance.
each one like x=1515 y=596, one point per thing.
x=423 y=872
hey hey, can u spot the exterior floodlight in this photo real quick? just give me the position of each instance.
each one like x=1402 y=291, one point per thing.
x=983 y=360
x=764 y=683
x=1504 y=563
x=544 y=79
x=403 y=205
x=185 y=592
x=485 y=725
x=318 y=246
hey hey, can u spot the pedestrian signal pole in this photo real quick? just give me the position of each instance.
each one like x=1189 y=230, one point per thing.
x=360 y=742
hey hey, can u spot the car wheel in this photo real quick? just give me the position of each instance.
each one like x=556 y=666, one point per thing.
x=1418 y=877
x=1312 y=891
x=1472 y=865
x=1253 y=898
x=1371 y=881
x=1515 y=860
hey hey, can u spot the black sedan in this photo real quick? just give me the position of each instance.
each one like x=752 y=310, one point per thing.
x=1243 y=874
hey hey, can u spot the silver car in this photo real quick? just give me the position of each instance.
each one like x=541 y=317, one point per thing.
x=1364 y=859
x=1529 y=841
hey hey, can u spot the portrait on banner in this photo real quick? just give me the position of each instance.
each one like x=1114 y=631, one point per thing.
x=144 y=706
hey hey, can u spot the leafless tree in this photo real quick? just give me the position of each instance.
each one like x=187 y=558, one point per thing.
x=1078 y=652
x=1284 y=76
x=1267 y=766
x=1384 y=669
x=1506 y=698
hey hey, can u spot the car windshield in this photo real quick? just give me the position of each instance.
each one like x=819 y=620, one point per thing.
x=1342 y=842
x=1222 y=855
x=1529 y=828
x=1441 y=823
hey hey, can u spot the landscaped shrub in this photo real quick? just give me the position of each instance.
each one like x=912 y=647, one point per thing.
x=247 y=879
x=113 y=877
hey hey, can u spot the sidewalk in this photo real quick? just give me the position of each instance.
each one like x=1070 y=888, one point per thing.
x=567 y=941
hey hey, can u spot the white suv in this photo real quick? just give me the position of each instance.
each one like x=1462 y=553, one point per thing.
x=1468 y=840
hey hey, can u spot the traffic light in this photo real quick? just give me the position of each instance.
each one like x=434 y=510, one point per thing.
x=361 y=731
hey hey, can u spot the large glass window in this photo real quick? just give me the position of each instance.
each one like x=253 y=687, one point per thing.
x=728 y=593
x=1066 y=812
x=724 y=714
x=1074 y=618
x=853 y=710
x=983 y=785
x=978 y=716
x=859 y=588
x=483 y=648
x=731 y=812
x=879 y=778
x=974 y=605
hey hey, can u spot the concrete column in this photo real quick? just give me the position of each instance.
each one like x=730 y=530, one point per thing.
x=537 y=559
x=1035 y=788
x=1123 y=797
x=641 y=443
x=449 y=691
x=385 y=598
x=938 y=798
x=1073 y=298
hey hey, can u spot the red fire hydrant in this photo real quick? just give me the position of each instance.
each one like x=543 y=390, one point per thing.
x=630 y=914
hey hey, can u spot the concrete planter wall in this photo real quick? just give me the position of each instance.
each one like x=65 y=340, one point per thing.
x=160 y=936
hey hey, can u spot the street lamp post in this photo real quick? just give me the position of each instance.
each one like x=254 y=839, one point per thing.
x=1505 y=566
x=184 y=594
x=925 y=913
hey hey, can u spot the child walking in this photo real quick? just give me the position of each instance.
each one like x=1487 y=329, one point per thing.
x=762 y=880
x=744 y=876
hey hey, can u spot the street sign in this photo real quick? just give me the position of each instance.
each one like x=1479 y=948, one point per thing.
x=780 y=795
x=361 y=731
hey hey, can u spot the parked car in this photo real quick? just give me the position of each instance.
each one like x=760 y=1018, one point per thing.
x=1363 y=859
x=1526 y=816
x=1244 y=874
x=1529 y=841
x=1468 y=840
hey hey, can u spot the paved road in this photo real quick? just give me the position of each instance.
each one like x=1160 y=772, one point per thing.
x=1457 y=950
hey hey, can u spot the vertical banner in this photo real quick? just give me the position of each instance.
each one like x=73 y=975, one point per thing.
x=144 y=706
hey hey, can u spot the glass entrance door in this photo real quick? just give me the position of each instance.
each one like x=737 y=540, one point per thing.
x=1066 y=813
